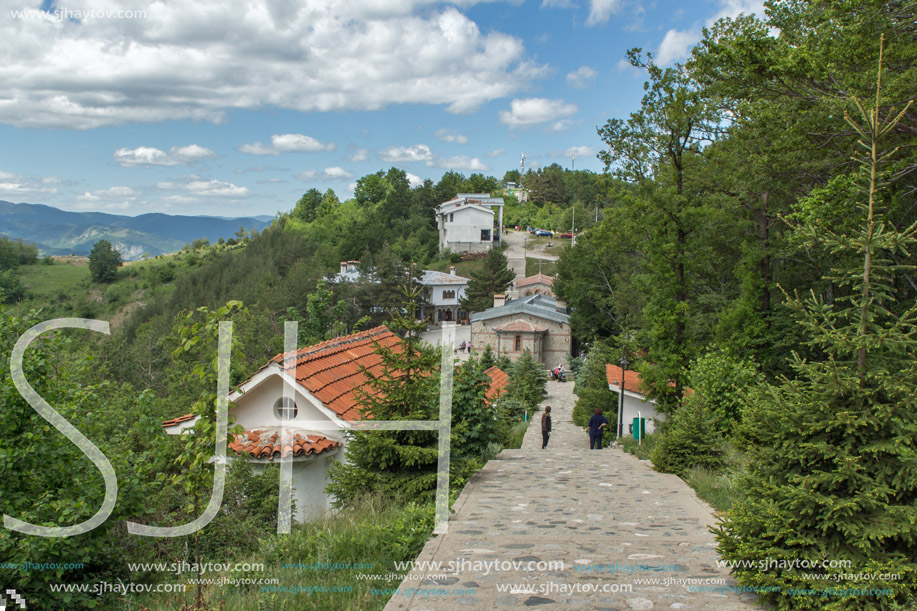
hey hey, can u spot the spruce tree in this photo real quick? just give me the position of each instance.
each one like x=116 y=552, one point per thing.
x=493 y=278
x=402 y=463
x=833 y=452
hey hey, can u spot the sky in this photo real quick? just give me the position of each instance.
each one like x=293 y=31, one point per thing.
x=237 y=107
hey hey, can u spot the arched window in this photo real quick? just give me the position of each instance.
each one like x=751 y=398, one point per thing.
x=285 y=409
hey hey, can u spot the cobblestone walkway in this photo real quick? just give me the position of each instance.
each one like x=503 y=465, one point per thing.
x=591 y=510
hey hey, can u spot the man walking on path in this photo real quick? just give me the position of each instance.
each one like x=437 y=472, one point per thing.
x=545 y=427
x=597 y=424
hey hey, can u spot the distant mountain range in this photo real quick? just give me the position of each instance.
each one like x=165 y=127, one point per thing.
x=58 y=232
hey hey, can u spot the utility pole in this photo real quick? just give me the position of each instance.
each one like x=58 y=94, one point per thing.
x=522 y=171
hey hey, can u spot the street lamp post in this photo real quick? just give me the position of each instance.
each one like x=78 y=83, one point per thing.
x=624 y=364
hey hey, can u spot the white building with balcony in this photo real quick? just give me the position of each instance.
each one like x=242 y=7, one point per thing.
x=466 y=223
x=443 y=294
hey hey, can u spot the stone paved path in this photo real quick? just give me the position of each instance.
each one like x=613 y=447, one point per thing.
x=588 y=509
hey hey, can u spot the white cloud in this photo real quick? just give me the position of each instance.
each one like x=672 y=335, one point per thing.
x=557 y=4
x=359 y=155
x=14 y=185
x=200 y=60
x=307 y=175
x=601 y=10
x=414 y=180
x=582 y=77
x=149 y=156
x=494 y=153
x=210 y=188
x=401 y=154
x=287 y=143
x=448 y=135
x=462 y=163
x=337 y=173
x=676 y=45
x=579 y=151
x=532 y=111
x=113 y=198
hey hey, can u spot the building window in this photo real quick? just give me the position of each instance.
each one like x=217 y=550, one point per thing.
x=448 y=294
x=285 y=409
x=450 y=217
x=518 y=343
x=485 y=235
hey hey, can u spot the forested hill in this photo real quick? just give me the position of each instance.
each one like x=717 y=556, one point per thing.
x=59 y=232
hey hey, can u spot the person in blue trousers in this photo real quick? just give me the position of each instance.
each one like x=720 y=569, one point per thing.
x=597 y=424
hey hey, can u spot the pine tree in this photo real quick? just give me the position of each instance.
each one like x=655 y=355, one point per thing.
x=493 y=278
x=395 y=462
x=833 y=452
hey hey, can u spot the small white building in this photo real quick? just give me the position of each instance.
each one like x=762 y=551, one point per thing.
x=634 y=399
x=326 y=389
x=443 y=294
x=327 y=379
x=466 y=223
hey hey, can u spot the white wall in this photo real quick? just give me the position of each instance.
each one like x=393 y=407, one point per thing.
x=309 y=480
x=437 y=298
x=466 y=225
x=255 y=408
x=633 y=403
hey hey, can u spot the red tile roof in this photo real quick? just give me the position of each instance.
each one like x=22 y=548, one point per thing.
x=632 y=380
x=266 y=443
x=498 y=382
x=522 y=326
x=178 y=420
x=538 y=278
x=330 y=370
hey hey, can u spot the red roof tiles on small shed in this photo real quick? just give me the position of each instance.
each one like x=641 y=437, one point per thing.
x=266 y=443
x=498 y=383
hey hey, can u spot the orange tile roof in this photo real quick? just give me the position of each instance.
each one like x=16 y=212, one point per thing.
x=178 y=420
x=266 y=443
x=330 y=370
x=632 y=380
x=538 y=278
x=522 y=326
x=498 y=383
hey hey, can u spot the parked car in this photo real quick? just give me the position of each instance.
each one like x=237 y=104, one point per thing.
x=566 y=235
x=544 y=233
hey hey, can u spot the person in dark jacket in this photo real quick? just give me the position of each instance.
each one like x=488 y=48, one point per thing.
x=545 y=427
x=597 y=424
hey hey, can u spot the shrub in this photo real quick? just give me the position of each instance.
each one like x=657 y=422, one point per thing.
x=687 y=440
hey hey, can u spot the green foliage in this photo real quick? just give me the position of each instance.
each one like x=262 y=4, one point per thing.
x=493 y=278
x=592 y=386
x=688 y=439
x=104 y=262
x=487 y=357
x=395 y=462
x=643 y=450
x=475 y=423
x=11 y=289
x=14 y=253
x=832 y=450
x=527 y=381
x=720 y=381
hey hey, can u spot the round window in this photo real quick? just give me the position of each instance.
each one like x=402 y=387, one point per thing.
x=285 y=409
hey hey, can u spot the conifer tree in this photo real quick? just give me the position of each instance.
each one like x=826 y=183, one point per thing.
x=395 y=462
x=493 y=278
x=833 y=452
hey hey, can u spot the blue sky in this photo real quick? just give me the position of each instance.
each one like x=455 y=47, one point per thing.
x=236 y=107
